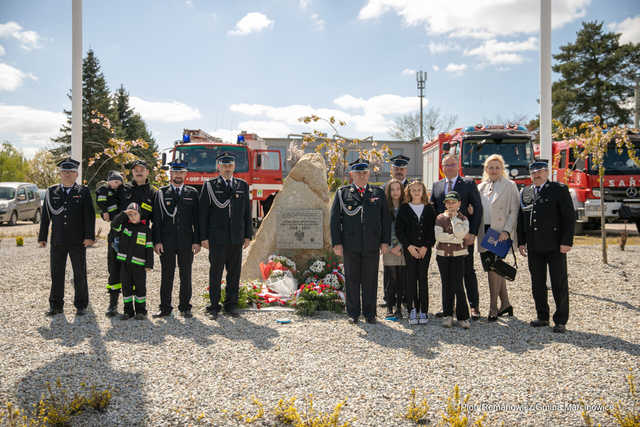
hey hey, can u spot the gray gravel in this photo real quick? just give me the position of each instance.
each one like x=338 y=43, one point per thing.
x=170 y=372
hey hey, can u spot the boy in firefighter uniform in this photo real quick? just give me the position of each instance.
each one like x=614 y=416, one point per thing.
x=176 y=233
x=140 y=191
x=360 y=229
x=108 y=199
x=225 y=229
x=135 y=253
x=69 y=209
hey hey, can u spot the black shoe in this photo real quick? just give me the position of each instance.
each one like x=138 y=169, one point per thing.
x=233 y=312
x=372 y=320
x=81 y=311
x=213 y=315
x=398 y=313
x=538 y=323
x=508 y=310
x=127 y=316
x=141 y=316
x=53 y=312
x=186 y=314
x=492 y=318
x=561 y=329
x=353 y=320
x=161 y=314
x=112 y=310
x=439 y=314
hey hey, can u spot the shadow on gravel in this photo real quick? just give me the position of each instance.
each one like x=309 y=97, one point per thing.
x=127 y=407
x=241 y=329
x=514 y=335
x=146 y=331
x=620 y=303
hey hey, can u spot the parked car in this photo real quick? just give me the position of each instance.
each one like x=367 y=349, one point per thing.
x=19 y=201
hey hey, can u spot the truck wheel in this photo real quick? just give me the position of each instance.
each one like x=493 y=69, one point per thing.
x=13 y=219
x=36 y=217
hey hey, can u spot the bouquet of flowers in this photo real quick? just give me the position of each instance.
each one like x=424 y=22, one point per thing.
x=318 y=296
x=276 y=264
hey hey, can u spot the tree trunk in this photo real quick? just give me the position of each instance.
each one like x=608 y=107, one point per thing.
x=602 y=221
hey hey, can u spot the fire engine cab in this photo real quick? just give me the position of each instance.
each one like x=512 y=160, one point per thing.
x=260 y=167
x=621 y=183
x=473 y=145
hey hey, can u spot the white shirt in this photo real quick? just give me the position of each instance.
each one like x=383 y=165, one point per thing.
x=452 y=183
x=178 y=190
x=417 y=209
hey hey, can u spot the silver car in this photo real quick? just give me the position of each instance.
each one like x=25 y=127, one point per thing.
x=19 y=201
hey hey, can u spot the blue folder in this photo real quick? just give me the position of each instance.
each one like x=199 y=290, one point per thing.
x=491 y=243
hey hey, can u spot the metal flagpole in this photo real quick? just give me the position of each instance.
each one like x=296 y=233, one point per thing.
x=76 y=87
x=545 y=82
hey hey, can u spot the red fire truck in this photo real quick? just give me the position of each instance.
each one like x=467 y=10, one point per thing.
x=621 y=183
x=260 y=167
x=473 y=145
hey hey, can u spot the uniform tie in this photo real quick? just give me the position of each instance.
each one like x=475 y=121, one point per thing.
x=228 y=181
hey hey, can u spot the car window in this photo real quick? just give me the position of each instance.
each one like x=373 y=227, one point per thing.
x=31 y=195
x=21 y=191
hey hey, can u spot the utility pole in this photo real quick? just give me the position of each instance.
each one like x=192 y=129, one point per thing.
x=421 y=77
x=76 y=86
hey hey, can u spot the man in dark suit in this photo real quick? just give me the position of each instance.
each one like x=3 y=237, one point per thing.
x=360 y=229
x=69 y=209
x=176 y=233
x=545 y=235
x=225 y=229
x=471 y=207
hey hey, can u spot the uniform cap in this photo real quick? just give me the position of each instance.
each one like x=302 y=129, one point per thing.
x=115 y=176
x=400 y=161
x=133 y=206
x=225 y=158
x=139 y=163
x=177 y=166
x=538 y=165
x=68 y=164
x=452 y=195
x=359 y=165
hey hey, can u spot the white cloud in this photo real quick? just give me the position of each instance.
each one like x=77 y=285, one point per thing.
x=252 y=22
x=2 y=51
x=630 y=29
x=304 y=4
x=475 y=18
x=495 y=52
x=28 y=39
x=379 y=104
x=436 y=68
x=169 y=112
x=188 y=3
x=442 y=47
x=11 y=78
x=318 y=23
x=32 y=127
x=408 y=72
x=456 y=68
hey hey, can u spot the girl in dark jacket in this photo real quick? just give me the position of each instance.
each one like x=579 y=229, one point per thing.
x=415 y=231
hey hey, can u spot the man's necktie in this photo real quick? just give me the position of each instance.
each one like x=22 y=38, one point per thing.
x=447 y=187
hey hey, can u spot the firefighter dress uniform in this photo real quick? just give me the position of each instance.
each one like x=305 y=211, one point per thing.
x=176 y=226
x=360 y=222
x=109 y=202
x=225 y=221
x=143 y=195
x=546 y=221
x=72 y=217
x=135 y=253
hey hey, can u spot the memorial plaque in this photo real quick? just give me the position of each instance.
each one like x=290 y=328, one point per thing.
x=299 y=229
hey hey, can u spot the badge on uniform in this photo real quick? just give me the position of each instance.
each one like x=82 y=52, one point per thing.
x=349 y=207
x=237 y=195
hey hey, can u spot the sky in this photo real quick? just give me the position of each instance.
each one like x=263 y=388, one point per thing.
x=230 y=65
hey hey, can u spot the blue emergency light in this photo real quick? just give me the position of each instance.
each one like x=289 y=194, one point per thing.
x=186 y=137
x=240 y=138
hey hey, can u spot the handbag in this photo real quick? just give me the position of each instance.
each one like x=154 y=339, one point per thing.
x=490 y=262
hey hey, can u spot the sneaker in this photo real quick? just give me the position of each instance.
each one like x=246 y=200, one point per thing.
x=447 y=321
x=464 y=324
x=423 y=319
x=413 y=320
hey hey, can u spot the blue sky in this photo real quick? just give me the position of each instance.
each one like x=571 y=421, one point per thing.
x=223 y=65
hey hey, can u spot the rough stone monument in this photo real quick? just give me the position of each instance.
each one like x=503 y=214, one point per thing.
x=297 y=225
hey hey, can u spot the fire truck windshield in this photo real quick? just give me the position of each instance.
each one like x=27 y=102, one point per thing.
x=515 y=152
x=618 y=162
x=203 y=158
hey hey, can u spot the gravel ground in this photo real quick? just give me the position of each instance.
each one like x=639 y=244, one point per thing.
x=170 y=372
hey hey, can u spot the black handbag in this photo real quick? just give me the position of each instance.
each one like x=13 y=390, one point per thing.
x=490 y=262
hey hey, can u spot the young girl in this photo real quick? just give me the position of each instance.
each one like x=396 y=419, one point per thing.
x=450 y=228
x=393 y=261
x=415 y=231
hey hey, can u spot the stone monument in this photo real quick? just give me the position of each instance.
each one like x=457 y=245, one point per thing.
x=297 y=225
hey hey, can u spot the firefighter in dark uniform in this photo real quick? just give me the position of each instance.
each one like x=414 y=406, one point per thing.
x=176 y=234
x=69 y=209
x=360 y=229
x=108 y=199
x=399 y=169
x=140 y=191
x=545 y=235
x=225 y=229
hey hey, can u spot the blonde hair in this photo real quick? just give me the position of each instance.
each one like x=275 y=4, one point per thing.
x=491 y=158
x=407 y=194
